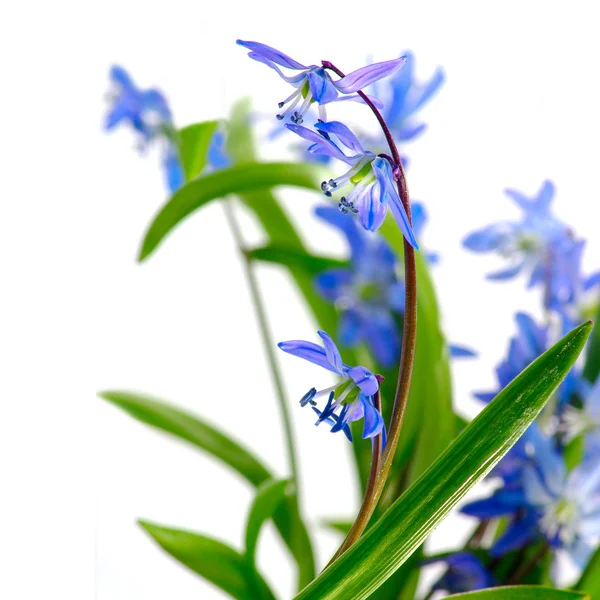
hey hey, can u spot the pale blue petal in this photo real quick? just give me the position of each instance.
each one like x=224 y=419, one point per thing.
x=516 y=535
x=356 y=98
x=382 y=336
x=343 y=133
x=321 y=86
x=427 y=91
x=332 y=352
x=507 y=273
x=320 y=144
x=373 y=421
x=271 y=54
x=308 y=351
x=361 y=78
x=293 y=79
x=487 y=239
x=333 y=283
x=461 y=351
x=408 y=132
x=350 y=328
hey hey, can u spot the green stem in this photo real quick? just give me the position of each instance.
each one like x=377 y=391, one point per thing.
x=267 y=338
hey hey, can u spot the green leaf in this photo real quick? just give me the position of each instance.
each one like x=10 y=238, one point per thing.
x=234 y=180
x=194 y=141
x=521 y=592
x=268 y=498
x=197 y=432
x=591 y=370
x=402 y=529
x=213 y=560
x=190 y=428
x=294 y=257
x=431 y=386
x=342 y=527
x=590 y=578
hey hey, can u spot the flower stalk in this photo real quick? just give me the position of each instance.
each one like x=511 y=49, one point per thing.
x=409 y=337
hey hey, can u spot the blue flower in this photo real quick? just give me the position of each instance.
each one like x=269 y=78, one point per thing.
x=406 y=98
x=465 y=573
x=530 y=342
x=374 y=189
x=352 y=395
x=148 y=113
x=313 y=83
x=368 y=293
x=539 y=244
x=584 y=420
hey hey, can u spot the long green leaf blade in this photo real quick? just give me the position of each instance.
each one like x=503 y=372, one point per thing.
x=194 y=141
x=191 y=429
x=268 y=498
x=213 y=560
x=295 y=257
x=402 y=529
x=235 y=180
x=521 y=592
x=590 y=578
x=206 y=437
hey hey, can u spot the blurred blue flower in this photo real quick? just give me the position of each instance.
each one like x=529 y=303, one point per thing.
x=148 y=113
x=466 y=573
x=368 y=293
x=403 y=97
x=539 y=243
x=313 y=83
x=586 y=419
x=374 y=189
x=352 y=394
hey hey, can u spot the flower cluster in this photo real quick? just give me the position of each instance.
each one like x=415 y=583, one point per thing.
x=374 y=187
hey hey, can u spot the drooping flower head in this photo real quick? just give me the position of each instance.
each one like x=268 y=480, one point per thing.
x=374 y=189
x=540 y=244
x=313 y=83
x=148 y=113
x=350 y=399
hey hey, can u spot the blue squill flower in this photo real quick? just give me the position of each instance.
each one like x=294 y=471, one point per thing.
x=368 y=293
x=403 y=97
x=148 y=113
x=539 y=244
x=352 y=395
x=374 y=189
x=466 y=573
x=314 y=83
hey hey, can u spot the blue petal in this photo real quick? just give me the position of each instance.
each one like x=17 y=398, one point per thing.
x=332 y=352
x=173 y=170
x=488 y=508
x=427 y=91
x=383 y=338
x=373 y=421
x=371 y=204
x=364 y=379
x=333 y=283
x=400 y=84
x=320 y=145
x=408 y=132
x=308 y=351
x=348 y=226
x=271 y=54
x=461 y=351
x=292 y=79
x=119 y=112
x=383 y=172
x=217 y=156
x=508 y=273
x=120 y=76
x=516 y=535
x=361 y=78
x=486 y=239
x=350 y=328
x=545 y=196
x=591 y=281
x=419 y=217
x=356 y=98
x=486 y=397
x=343 y=133
x=321 y=86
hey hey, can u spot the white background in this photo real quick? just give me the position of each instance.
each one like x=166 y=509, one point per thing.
x=79 y=315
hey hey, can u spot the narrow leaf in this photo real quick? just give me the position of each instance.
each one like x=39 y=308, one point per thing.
x=591 y=369
x=521 y=592
x=268 y=498
x=237 y=179
x=294 y=257
x=402 y=529
x=213 y=560
x=590 y=578
x=190 y=428
x=194 y=141
x=342 y=527
x=197 y=432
